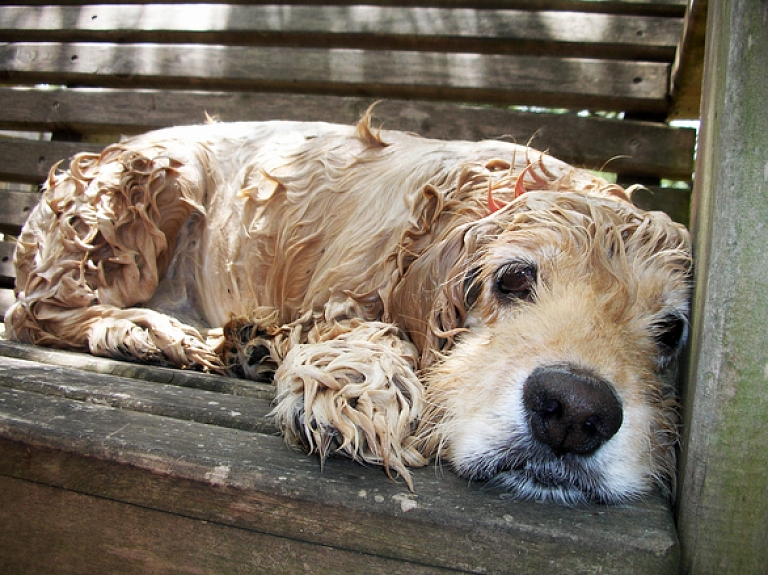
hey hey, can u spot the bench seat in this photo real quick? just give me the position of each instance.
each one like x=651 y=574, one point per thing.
x=134 y=468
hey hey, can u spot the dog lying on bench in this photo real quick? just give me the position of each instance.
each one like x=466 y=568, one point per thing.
x=481 y=303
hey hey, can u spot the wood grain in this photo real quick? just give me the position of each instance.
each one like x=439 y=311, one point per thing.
x=44 y=530
x=136 y=371
x=529 y=32
x=6 y=260
x=252 y=481
x=688 y=69
x=723 y=507
x=625 y=147
x=543 y=81
x=30 y=160
x=673 y=8
x=166 y=400
x=675 y=202
x=15 y=207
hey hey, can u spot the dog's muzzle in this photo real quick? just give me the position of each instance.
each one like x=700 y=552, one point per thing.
x=571 y=410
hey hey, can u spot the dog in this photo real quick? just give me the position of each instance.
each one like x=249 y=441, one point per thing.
x=477 y=303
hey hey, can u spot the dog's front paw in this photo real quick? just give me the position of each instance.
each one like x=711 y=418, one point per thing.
x=150 y=337
x=356 y=394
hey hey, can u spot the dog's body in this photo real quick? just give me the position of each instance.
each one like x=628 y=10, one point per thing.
x=414 y=301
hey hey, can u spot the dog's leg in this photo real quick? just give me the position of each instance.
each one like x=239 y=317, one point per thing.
x=353 y=390
x=96 y=247
x=144 y=335
x=253 y=347
x=133 y=334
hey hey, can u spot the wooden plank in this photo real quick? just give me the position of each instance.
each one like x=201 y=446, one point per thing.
x=31 y=160
x=6 y=300
x=6 y=260
x=560 y=33
x=166 y=400
x=45 y=530
x=639 y=148
x=636 y=7
x=723 y=509
x=150 y=373
x=542 y=81
x=688 y=69
x=675 y=202
x=252 y=481
x=15 y=206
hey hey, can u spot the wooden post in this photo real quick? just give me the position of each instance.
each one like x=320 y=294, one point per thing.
x=723 y=501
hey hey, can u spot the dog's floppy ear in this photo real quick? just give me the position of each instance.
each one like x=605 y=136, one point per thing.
x=437 y=289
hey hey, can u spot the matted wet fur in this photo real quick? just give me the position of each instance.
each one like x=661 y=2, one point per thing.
x=479 y=303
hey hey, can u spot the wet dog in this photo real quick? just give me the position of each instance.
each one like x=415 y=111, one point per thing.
x=482 y=303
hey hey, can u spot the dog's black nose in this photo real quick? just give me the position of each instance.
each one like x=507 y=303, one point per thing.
x=571 y=410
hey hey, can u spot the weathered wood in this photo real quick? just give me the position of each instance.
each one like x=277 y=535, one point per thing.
x=165 y=375
x=53 y=531
x=688 y=68
x=571 y=34
x=174 y=401
x=30 y=160
x=543 y=81
x=7 y=298
x=723 y=508
x=625 y=146
x=252 y=481
x=15 y=206
x=7 y=270
x=675 y=202
x=636 y=7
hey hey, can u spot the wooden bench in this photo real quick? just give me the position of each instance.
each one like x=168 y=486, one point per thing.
x=108 y=467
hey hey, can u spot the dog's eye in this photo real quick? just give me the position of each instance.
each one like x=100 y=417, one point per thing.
x=472 y=287
x=516 y=280
x=670 y=332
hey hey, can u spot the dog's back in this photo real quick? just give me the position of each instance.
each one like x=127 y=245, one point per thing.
x=228 y=218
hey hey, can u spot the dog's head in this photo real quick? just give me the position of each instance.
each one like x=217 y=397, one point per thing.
x=558 y=318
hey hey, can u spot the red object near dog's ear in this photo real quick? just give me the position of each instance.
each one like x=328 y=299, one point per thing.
x=495 y=205
x=520 y=189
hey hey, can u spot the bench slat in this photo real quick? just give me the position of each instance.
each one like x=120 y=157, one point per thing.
x=7 y=298
x=543 y=81
x=35 y=518
x=7 y=272
x=675 y=202
x=252 y=481
x=639 y=148
x=164 y=375
x=15 y=206
x=675 y=8
x=570 y=34
x=173 y=401
x=30 y=161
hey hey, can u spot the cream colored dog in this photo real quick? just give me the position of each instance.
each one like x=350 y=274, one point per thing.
x=479 y=302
